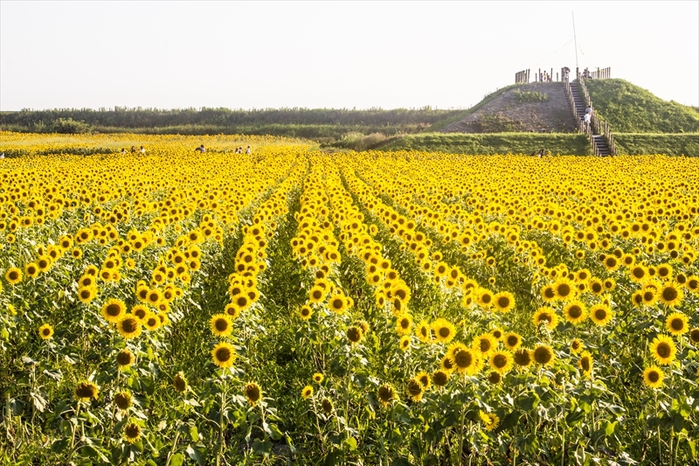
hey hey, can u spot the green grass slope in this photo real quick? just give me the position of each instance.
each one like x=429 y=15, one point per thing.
x=631 y=109
x=494 y=143
x=669 y=144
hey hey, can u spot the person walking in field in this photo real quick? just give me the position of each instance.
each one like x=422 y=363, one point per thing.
x=248 y=150
x=586 y=120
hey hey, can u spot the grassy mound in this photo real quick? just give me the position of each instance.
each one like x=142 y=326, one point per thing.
x=499 y=143
x=668 y=144
x=630 y=109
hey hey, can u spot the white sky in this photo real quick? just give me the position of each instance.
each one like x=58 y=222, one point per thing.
x=178 y=54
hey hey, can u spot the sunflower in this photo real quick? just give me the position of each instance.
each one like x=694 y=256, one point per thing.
x=424 y=378
x=650 y=295
x=86 y=390
x=484 y=344
x=484 y=297
x=575 y=312
x=221 y=325
x=317 y=294
x=45 y=332
x=404 y=343
x=327 y=406
x=543 y=354
x=504 y=301
x=676 y=323
x=611 y=262
x=444 y=330
x=440 y=377
x=141 y=311
x=564 y=289
x=423 y=332
x=152 y=321
x=601 y=314
x=692 y=284
x=180 y=382
x=596 y=286
x=128 y=326
x=132 y=432
x=403 y=324
x=694 y=335
x=585 y=363
x=548 y=293
x=31 y=269
x=86 y=295
x=223 y=354
x=446 y=364
x=638 y=273
x=663 y=349
x=125 y=358
x=490 y=420
x=501 y=361
x=576 y=346
x=522 y=357
x=415 y=389
x=354 y=334
x=122 y=400
x=653 y=377
x=113 y=310
x=307 y=392
x=318 y=377
x=13 y=275
x=671 y=294
x=338 y=303
x=545 y=316
x=466 y=361
x=252 y=392
x=386 y=394
x=512 y=341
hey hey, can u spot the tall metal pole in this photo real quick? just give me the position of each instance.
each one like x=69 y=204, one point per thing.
x=575 y=38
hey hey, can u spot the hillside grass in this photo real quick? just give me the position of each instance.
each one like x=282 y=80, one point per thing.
x=499 y=143
x=668 y=144
x=631 y=109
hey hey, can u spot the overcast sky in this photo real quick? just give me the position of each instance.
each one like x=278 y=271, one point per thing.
x=178 y=54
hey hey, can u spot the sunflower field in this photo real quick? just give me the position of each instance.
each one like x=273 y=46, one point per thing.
x=292 y=306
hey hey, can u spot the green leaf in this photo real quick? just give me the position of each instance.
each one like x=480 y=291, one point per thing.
x=351 y=442
x=177 y=460
x=196 y=455
x=262 y=447
x=59 y=445
x=194 y=433
x=609 y=428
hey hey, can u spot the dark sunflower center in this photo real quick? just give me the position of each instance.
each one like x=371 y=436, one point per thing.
x=503 y=302
x=463 y=359
x=440 y=378
x=563 y=289
x=486 y=298
x=129 y=325
x=575 y=312
x=500 y=361
x=669 y=294
x=405 y=323
x=124 y=358
x=221 y=325
x=113 y=310
x=677 y=324
x=653 y=376
x=542 y=355
x=585 y=363
x=600 y=314
x=223 y=354
x=512 y=341
x=549 y=293
x=444 y=332
x=414 y=387
x=664 y=350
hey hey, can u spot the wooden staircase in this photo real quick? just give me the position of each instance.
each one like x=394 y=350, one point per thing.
x=600 y=144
